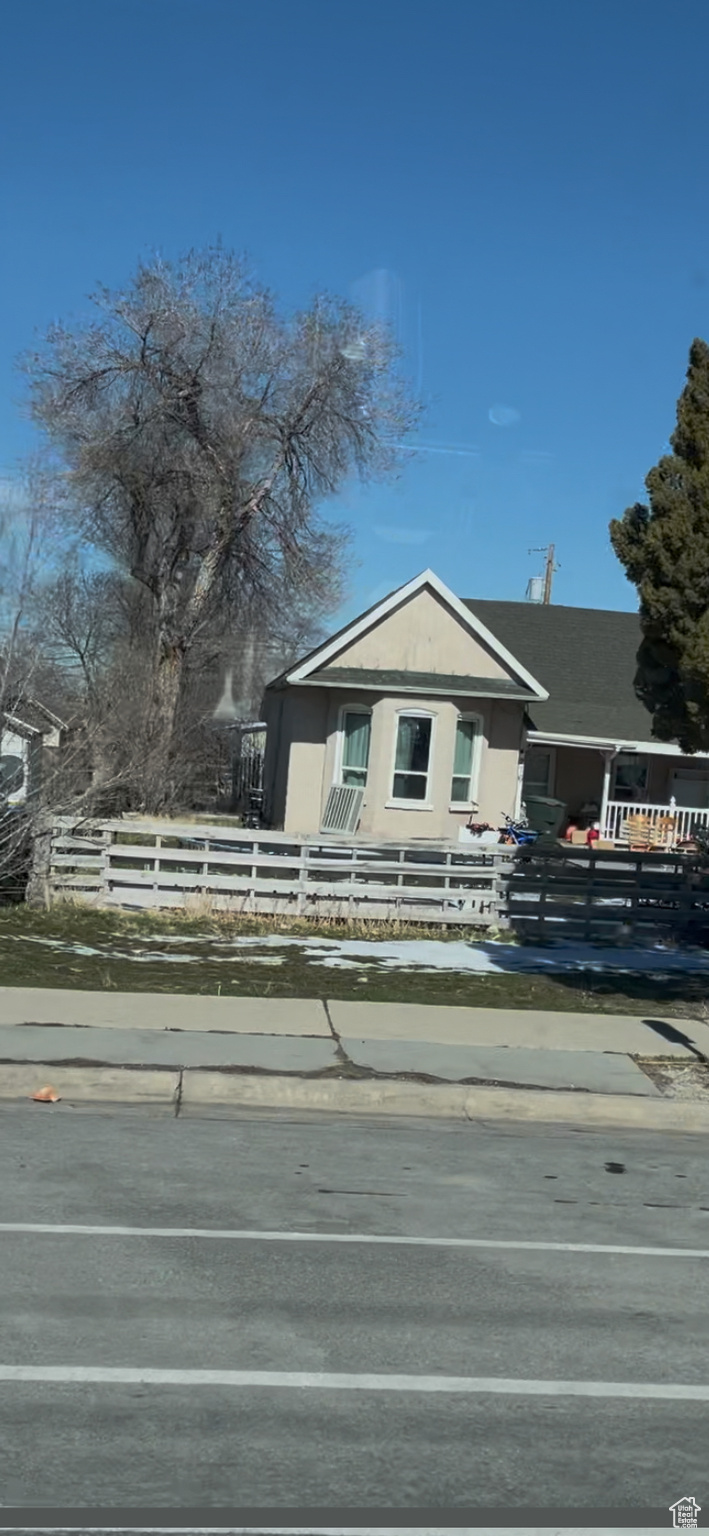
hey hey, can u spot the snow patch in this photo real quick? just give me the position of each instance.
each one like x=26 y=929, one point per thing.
x=490 y=957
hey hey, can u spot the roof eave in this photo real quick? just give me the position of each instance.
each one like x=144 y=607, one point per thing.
x=396 y=688
x=21 y=727
x=615 y=743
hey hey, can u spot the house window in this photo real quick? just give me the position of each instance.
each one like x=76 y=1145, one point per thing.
x=630 y=779
x=356 y=733
x=689 y=788
x=413 y=755
x=12 y=774
x=538 y=772
x=463 y=782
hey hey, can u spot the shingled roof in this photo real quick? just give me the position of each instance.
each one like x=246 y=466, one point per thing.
x=401 y=681
x=584 y=657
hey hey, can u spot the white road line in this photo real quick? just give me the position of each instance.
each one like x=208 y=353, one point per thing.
x=334 y=1381
x=227 y=1236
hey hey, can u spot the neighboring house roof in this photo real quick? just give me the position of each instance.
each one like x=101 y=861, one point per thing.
x=27 y=715
x=307 y=670
x=586 y=659
x=422 y=682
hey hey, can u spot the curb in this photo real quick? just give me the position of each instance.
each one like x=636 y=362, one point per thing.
x=222 y=1091
x=197 y=1090
x=78 y=1085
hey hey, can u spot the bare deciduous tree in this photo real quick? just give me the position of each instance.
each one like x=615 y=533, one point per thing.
x=198 y=434
x=31 y=546
x=82 y=614
x=94 y=625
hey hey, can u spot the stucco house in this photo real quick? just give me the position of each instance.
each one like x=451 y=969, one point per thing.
x=403 y=725
x=428 y=710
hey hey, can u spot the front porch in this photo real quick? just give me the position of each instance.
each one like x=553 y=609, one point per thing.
x=662 y=793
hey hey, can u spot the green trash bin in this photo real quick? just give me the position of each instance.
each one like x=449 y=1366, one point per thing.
x=545 y=815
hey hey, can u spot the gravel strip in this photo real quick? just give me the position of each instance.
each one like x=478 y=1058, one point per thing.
x=677 y=1079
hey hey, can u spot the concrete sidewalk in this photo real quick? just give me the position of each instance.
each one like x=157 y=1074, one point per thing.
x=191 y=1055
x=310 y=1037
x=163 y=1010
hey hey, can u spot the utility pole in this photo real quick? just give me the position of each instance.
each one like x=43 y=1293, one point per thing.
x=549 y=569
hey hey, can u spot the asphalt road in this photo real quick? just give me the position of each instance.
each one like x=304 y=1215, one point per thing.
x=331 y=1370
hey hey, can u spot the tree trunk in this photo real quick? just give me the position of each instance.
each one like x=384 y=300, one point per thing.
x=158 y=780
x=38 y=893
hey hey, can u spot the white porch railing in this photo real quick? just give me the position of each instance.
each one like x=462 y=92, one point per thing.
x=683 y=816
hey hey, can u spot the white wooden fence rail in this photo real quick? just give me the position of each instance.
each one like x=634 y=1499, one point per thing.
x=683 y=817
x=151 y=863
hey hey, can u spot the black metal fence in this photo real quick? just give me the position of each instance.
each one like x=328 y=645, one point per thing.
x=247 y=785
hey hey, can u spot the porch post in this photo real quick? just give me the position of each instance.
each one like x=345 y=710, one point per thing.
x=520 y=770
x=607 y=767
x=518 y=792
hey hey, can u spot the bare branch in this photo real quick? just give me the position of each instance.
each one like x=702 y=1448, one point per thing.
x=200 y=435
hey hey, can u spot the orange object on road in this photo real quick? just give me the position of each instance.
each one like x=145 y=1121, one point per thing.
x=46 y=1096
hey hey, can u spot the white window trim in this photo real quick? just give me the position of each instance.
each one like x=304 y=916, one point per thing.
x=475 y=765
x=394 y=804
x=542 y=746
x=337 y=766
x=409 y=805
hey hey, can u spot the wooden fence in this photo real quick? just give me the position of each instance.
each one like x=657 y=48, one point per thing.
x=541 y=893
x=145 y=863
x=579 y=893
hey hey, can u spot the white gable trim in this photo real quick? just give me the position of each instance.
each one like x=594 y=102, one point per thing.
x=21 y=727
x=369 y=620
x=49 y=714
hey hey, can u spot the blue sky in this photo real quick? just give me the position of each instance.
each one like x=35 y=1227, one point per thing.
x=520 y=188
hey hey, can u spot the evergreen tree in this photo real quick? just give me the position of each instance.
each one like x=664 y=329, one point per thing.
x=664 y=548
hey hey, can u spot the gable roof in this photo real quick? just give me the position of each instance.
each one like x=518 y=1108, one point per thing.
x=308 y=669
x=585 y=657
x=24 y=713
